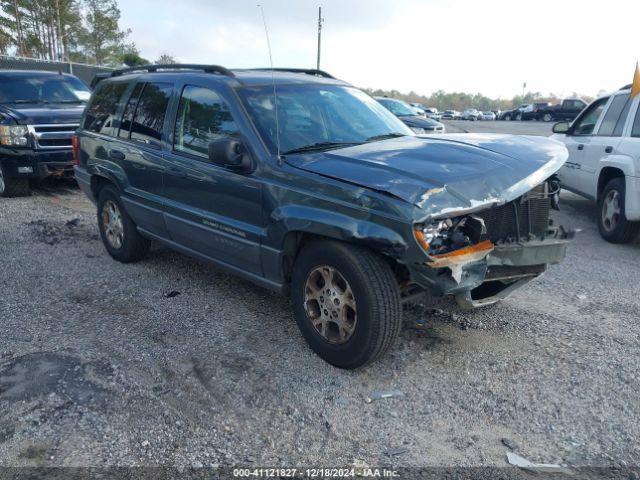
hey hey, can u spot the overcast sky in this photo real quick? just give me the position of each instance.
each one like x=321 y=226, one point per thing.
x=486 y=46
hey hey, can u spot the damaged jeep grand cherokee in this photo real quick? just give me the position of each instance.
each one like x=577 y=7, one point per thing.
x=307 y=186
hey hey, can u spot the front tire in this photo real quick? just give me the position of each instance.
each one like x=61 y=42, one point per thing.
x=507 y=118
x=612 y=222
x=117 y=230
x=346 y=302
x=13 y=187
x=519 y=117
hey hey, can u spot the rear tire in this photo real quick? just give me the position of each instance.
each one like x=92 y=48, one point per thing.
x=376 y=319
x=13 y=187
x=612 y=222
x=547 y=117
x=507 y=118
x=117 y=230
x=519 y=117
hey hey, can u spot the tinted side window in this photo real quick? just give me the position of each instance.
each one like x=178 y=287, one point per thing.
x=100 y=116
x=129 y=110
x=202 y=117
x=149 y=116
x=586 y=123
x=613 y=115
x=635 y=131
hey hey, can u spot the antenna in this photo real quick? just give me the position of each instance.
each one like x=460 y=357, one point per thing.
x=273 y=81
x=320 y=20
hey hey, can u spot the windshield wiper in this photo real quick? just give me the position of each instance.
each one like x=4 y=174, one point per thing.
x=28 y=101
x=319 y=146
x=384 y=136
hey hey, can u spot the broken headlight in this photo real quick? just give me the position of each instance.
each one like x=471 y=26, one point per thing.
x=444 y=236
x=13 y=135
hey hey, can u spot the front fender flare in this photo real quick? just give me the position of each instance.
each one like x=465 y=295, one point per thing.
x=339 y=226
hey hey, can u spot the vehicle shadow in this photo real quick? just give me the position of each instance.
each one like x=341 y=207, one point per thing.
x=54 y=186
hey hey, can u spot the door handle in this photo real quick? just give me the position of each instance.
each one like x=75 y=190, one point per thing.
x=608 y=149
x=580 y=147
x=176 y=172
x=116 y=155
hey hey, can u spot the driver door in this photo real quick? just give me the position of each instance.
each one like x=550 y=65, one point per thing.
x=210 y=209
x=577 y=142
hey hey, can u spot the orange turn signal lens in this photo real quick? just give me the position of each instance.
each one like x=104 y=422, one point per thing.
x=419 y=234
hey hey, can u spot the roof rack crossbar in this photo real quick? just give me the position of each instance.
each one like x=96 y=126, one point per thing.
x=174 y=66
x=308 y=71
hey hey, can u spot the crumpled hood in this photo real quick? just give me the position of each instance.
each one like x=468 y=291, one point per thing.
x=35 y=114
x=448 y=175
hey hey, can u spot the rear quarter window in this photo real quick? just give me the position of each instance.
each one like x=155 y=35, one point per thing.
x=100 y=115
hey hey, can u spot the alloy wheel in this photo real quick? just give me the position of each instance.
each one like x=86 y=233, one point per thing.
x=330 y=304
x=2 y=184
x=112 y=224
x=611 y=210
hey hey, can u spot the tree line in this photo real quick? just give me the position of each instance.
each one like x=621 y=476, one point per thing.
x=460 y=100
x=85 y=31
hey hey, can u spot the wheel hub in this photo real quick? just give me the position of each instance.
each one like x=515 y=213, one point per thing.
x=112 y=224
x=611 y=210
x=330 y=304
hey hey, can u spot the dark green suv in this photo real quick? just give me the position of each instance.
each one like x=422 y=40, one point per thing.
x=309 y=187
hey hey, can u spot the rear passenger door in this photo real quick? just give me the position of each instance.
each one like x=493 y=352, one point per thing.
x=139 y=152
x=210 y=209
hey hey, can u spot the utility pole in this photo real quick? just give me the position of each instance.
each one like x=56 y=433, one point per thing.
x=19 y=28
x=320 y=20
x=524 y=85
x=59 y=40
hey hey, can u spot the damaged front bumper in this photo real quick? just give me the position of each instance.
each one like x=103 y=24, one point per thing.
x=485 y=276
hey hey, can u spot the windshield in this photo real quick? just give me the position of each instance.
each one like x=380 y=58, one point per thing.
x=309 y=115
x=43 y=89
x=397 y=107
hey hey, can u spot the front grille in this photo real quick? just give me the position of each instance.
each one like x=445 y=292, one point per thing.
x=519 y=219
x=52 y=136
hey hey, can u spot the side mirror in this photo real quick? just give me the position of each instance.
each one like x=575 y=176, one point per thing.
x=229 y=152
x=560 y=127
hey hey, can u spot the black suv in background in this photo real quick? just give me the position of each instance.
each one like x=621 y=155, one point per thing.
x=39 y=111
x=318 y=191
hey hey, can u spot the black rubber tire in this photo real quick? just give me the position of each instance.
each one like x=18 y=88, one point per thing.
x=134 y=246
x=377 y=301
x=507 y=118
x=547 y=117
x=519 y=117
x=14 y=187
x=625 y=230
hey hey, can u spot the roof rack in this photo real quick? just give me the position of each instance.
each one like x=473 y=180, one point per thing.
x=174 y=66
x=627 y=87
x=308 y=71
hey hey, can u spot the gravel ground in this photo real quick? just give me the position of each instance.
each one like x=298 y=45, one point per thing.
x=172 y=362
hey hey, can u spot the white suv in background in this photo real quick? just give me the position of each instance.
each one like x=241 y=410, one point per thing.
x=604 y=162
